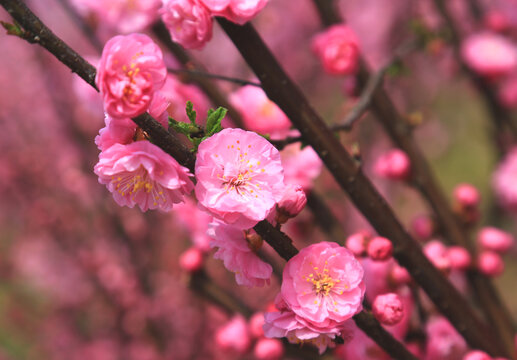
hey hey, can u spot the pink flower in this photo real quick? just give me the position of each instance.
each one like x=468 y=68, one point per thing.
x=490 y=263
x=338 y=50
x=240 y=177
x=443 y=341
x=188 y=21
x=504 y=181
x=238 y=11
x=323 y=284
x=130 y=71
x=380 y=249
x=491 y=238
x=259 y=113
x=301 y=166
x=234 y=335
x=394 y=165
x=489 y=54
x=268 y=349
x=237 y=255
x=122 y=15
x=255 y=325
x=141 y=173
x=388 y=309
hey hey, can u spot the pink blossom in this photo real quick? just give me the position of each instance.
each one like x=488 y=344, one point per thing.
x=259 y=113
x=130 y=71
x=237 y=255
x=504 y=181
x=400 y=275
x=394 y=165
x=388 y=309
x=238 y=11
x=357 y=242
x=496 y=21
x=141 y=173
x=477 y=355
x=268 y=349
x=301 y=166
x=459 y=257
x=188 y=21
x=240 y=177
x=489 y=54
x=116 y=131
x=323 y=284
x=234 y=336
x=191 y=260
x=491 y=238
x=443 y=341
x=490 y=263
x=466 y=195
x=122 y=15
x=380 y=248
x=338 y=50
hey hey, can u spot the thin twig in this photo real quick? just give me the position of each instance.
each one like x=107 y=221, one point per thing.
x=198 y=73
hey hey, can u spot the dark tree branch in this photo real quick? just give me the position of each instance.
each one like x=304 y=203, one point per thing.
x=282 y=90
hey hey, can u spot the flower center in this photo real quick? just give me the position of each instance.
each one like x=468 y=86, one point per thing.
x=132 y=72
x=322 y=282
x=130 y=183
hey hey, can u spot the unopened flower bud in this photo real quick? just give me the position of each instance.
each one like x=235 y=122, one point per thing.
x=357 y=242
x=380 y=249
x=422 y=226
x=191 y=260
x=292 y=204
x=255 y=325
x=466 y=195
x=400 y=275
x=233 y=336
x=459 y=257
x=268 y=349
x=491 y=238
x=437 y=253
x=388 y=309
x=394 y=165
x=490 y=263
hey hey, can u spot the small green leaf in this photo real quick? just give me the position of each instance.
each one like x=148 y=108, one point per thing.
x=184 y=128
x=191 y=113
x=12 y=29
x=213 y=122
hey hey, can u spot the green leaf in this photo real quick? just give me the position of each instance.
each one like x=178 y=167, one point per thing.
x=12 y=29
x=191 y=113
x=183 y=128
x=213 y=121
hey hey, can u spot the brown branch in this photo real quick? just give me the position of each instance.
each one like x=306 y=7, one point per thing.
x=280 y=89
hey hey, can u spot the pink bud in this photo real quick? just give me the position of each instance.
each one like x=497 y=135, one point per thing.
x=233 y=336
x=400 y=275
x=380 y=249
x=388 y=309
x=423 y=226
x=490 y=263
x=496 y=21
x=292 y=203
x=459 y=257
x=394 y=165
x=437 y=253
x=466 y=195
x=491 y=238
x=255 y=325
x=477 y=355
x=356 y=243
x=191 y=260
x=268 y=349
